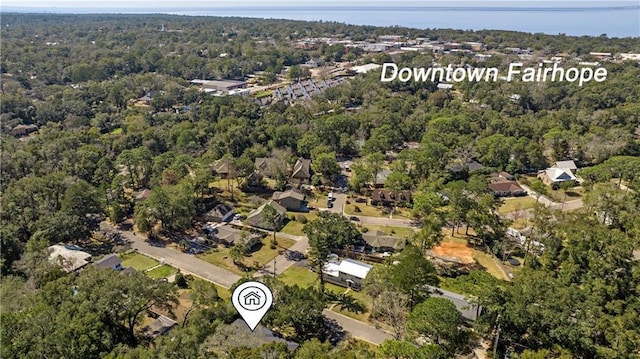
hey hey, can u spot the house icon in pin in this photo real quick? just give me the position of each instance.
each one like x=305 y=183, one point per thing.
x=252 y=298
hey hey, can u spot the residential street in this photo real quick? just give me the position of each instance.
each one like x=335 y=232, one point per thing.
x=359 y=329
x=190 y=264
x=187 y=263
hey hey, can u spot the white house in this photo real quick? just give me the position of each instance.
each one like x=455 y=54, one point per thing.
x=347 y=273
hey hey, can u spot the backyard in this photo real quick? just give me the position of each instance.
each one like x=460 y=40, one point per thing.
x=138 y=261
x=516 y=204
x=362 y=209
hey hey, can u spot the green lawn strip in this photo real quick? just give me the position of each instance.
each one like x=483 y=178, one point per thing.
x=266 y=254
x=371 y=211
x=299 y=276
x=161 y=272
x=220 y=257
x=138 y=261
x=402 y=232
x=566 y=196
x=294 y=227
x=516 y=204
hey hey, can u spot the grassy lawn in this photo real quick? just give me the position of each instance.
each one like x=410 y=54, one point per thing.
x=266 y=254
x=220 y=256
x=521 y=223
x=295 y=275
x=516 y=204
x=568 y=195
x=371 y=211
x=489 y=264
x=305 y=278
x=403 y=232
x=161 y=272
x=138 y=261
x=362 y=298
x=294 y=227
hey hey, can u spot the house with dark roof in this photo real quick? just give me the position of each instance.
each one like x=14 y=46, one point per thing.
x=229 y=236
x=159 y=326
x=302 y=170
x=255 y=217
x=291 y=200
x=220 y=213
x=506 y=188
x=470 y=166
x=110 y=261
x=223 y=168
x=387 y=197
x=506 y=176
x=380 y=242
x=269 y=166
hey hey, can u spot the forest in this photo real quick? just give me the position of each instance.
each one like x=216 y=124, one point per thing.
x=77 y=78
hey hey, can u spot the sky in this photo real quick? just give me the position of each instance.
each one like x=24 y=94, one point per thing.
x=186 y=4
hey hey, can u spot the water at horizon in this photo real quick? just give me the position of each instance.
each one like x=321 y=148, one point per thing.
x=615 y=21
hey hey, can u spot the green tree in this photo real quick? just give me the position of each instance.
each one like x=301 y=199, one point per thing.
x=271 y=219
x=438 y=319
x=328 y=231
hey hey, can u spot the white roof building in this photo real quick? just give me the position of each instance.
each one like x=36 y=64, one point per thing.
x=363 y=69
x=348 y=266
x=560 y=174
x=70 y=258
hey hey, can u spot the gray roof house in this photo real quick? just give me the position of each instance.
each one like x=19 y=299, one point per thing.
x=255 y=217
x=263 y=334
x=302 y=170
x=220 y=213
x=110 y=261
x=381 y=242
x=160 y=326
x=291 y=200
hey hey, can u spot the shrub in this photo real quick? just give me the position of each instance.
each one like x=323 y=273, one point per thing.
x=181 y=282
x=365 y=229
x=356 y=209
x=302 y=219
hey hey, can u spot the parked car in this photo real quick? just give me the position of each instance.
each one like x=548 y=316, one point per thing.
x=329 y=204
x=361 y=200
x=239 y=217
x=354 y=218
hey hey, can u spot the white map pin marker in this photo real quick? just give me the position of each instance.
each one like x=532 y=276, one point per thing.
x=252 y=300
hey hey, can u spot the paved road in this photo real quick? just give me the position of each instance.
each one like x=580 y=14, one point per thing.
x=190 y=264
x=185 y=262
x=359 y=329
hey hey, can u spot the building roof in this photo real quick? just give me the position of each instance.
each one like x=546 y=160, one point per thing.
x=467 y=309
x=220 y=210
x=569 y=165
x=381 y=178
x=560 y=174
x=275 y=205
x=378 y=239
x=471 y=165
x=302 y=169
x=348 y=266
x=266 y=165
x=288 y=194
x=69 y=257
x=109 y=261
x=160 y=326
x=506 y=175
x=263 y=334
x=505 y=186
x=222 y=166
x=231 y=235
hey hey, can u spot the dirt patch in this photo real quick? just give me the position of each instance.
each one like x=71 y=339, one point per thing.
x=459 y=251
